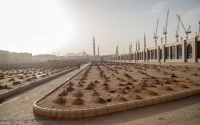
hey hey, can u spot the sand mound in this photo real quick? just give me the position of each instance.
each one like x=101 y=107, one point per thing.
x=63 y=93
x=29 y=79
x=148 y=92
x=119 y=98
x=120 y=84
x=121 y=91
x=12 y=79
x=150 y=85
x=173 y=75
x=82 y=81
x=134 y=90
x=172 y=80
x=165 y=82
x=96 y=81
x=70 y=83
x=78 y=94
x=105 y=84
x=70 y=88
x=154 y=82
x=59 y=100
x=21 y=77
x=140 y=88
x=118 y=78
x=95 y=93
x=34 y=77
x=83 y=78
x=194 y=74
x=181 y=86
x=77 y=101
x=133 y=80
x=122 y=80
x=107 y=80
x=129 y=83
x=91 y=84
x=80 y=85
x=89 y=88
x=127 y=88
x=167 y=88
x=191 y=83
x=16 y=82
x=98 y=99
x=135 y=97
x=106 y=88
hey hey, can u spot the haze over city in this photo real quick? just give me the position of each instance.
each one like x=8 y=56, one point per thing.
x=47 y=26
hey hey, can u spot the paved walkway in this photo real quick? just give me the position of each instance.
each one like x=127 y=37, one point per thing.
x=18 y=110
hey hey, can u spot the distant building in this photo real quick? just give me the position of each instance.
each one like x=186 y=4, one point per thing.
x=44 y=57
x=13 y=57
x=24 y=57
x=4 y=56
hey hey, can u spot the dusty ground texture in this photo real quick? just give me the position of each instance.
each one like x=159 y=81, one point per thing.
x=17 y=110
x=12 y=78
x=102 y=85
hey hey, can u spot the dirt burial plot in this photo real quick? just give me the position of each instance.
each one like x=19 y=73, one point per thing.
x=98 y=86
x=13 y=78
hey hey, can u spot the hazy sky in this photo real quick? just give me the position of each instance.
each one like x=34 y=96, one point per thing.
x=68 y=26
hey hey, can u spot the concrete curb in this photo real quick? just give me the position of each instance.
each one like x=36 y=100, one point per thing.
x=11 y=92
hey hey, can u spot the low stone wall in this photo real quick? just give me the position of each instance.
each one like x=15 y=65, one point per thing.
x=90 y=112
x=32 y=84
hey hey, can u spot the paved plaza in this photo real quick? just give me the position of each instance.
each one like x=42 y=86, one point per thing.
x=17 y=110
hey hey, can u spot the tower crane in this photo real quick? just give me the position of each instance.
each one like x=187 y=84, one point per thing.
x=197 y=35
x=165 y=28
x=186 y=32
x=177 y=32
x=155 y=34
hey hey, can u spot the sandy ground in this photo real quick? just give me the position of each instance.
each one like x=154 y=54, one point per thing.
x=101 y=85
x=12 y=78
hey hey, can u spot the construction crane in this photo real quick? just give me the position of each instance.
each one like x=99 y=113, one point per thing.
x=155 y=34
x=177 y=32
x=165 y=28
x=186 y=32
x=197 y=35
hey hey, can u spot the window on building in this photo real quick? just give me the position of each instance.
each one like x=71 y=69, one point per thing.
x=167 y=53
x=148 y=54
x=161 y=54
x=189 y=51
x=179 y=51
x=198 y=49
x=173 y=52
x=152 y=54
x=142 y=55
x=155 y=53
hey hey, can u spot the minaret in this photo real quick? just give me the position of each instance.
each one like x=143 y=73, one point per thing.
x=93 y=45
x=136 y=45
x=131 y=46
x=58 y=54
x=98 y=50
x=144 y=42
x=161 y=41
x=117 y=52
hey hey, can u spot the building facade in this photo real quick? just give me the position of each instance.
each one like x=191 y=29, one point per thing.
x=182 y=51
x=4 y=56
